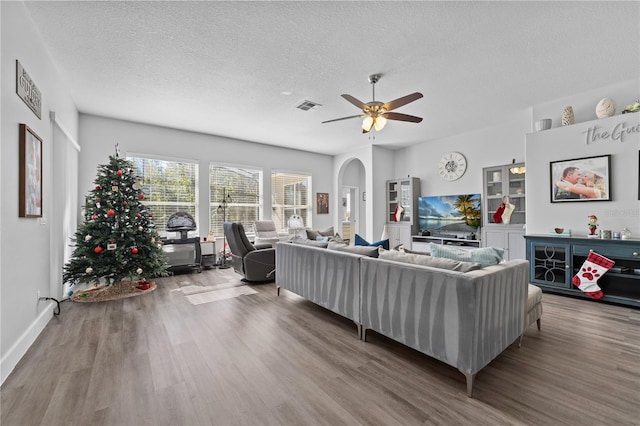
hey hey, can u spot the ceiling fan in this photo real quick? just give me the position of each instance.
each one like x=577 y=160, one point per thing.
x=375 y=114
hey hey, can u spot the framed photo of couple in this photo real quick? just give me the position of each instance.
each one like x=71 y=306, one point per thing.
x=581 y=179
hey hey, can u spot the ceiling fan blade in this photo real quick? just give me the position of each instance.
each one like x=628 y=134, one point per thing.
x=343 y=118
x=402 y=101
x=402 y=117
x=355 y=101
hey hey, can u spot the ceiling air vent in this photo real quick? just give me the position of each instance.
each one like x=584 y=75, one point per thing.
x=307 y=105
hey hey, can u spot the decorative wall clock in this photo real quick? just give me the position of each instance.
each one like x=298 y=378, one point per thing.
x=452 y=166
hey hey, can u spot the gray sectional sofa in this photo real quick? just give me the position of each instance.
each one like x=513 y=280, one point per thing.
x=464 y=319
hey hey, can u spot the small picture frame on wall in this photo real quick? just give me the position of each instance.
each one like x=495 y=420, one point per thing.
x=581 y=179
x=322 y=203
x=30 y=169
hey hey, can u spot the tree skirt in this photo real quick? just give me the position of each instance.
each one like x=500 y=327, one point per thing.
x=115 y=291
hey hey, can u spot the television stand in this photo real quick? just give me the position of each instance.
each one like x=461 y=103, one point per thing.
x=421 y=243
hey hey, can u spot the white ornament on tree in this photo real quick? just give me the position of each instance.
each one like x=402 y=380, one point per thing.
x=88 y=238
x=139 y=271
x=89 y=270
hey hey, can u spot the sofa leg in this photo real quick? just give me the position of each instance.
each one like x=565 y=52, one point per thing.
x=359 y=326
x=538 y=323
x=278 y=290
x=520 y=340
x=470 y=378
x=363 y=334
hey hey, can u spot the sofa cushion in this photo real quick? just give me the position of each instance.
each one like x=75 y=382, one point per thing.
x=311 y=234
x=359 y=241
x=323 y=239
x=327 y=232
x=403 y=249
x=306 y=242
x=485 y=256
x=426 y=260
x=371 y=251
x=337 y=238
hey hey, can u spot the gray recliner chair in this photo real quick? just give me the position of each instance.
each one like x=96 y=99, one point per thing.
x=254 y=263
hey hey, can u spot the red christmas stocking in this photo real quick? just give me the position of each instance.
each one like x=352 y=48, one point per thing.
x=593 y=268
x=497 y=216
x=397 y=215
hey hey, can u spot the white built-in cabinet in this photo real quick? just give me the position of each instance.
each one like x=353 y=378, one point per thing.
x=500 y=184
x=402 y=192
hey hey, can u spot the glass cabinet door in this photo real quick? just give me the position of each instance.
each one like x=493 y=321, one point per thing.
x=551 y=264
x=502 y=184
x=406 y=201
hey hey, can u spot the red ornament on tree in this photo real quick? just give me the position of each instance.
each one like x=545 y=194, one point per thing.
x=98 y=250
x=139 y=216
x=119 y=172
x=142 y=196
x=98 y=187
x=94 y=217
x=134 y=250
x=110 y=212
x=125 y=204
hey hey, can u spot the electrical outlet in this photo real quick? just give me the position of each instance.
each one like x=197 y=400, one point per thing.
x=37 y=295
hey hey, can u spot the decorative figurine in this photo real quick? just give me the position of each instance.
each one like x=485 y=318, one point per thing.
x=605 y=108
x=593 y=224
x=567 y=117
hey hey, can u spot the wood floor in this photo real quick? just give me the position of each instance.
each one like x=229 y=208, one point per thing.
x=260 y=359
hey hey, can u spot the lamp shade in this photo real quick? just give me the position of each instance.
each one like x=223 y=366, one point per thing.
x=367 y=123
x=296 y=222
x=379 y=123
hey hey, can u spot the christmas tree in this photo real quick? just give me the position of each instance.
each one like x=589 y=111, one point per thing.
x=117 y=239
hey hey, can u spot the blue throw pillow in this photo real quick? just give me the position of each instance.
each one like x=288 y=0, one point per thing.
x=359 y=241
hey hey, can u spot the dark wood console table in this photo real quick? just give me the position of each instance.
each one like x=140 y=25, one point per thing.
x=555 y=260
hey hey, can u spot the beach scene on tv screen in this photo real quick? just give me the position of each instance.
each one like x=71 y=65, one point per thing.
x=449 y=213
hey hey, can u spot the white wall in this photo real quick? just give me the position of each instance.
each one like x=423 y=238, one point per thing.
x=25 y=243
x=487 y=147
x=569 y=142
x=100 y=135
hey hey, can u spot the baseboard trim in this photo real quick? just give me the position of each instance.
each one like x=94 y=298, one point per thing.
x=20 y=347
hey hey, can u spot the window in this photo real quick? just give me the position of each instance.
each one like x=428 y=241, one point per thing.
x=242 y=188
x=169 y=186
x=290 y=195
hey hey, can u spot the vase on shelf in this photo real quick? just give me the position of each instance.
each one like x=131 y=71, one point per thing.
x=567 y=116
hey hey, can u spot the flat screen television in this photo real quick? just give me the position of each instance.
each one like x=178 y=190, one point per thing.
x=455 y=215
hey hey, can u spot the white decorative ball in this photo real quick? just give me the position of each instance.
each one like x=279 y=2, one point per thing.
x=88 y=238
x=140 y=228
x=139 y=271
x=89 y=270
x=605 y=108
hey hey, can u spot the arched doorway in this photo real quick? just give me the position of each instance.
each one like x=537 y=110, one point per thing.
x=352 y=201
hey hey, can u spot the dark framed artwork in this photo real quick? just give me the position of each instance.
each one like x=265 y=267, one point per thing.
x=322 y=202
x=581 y=179
x=30 y=181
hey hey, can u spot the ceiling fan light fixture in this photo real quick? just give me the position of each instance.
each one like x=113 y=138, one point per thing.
x=379 y=123
x=367 y=123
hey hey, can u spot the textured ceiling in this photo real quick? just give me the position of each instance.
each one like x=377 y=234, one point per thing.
x=221 y=67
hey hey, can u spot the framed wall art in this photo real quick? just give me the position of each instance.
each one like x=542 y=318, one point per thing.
x=30 y=169
x=322 y=202
x=581 y=179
